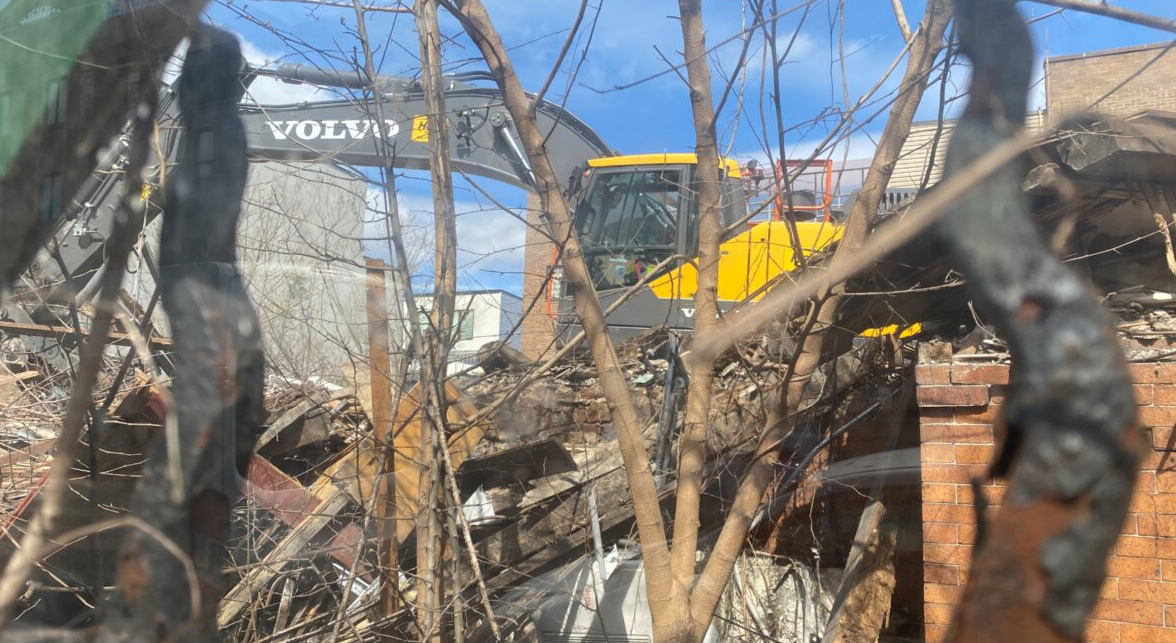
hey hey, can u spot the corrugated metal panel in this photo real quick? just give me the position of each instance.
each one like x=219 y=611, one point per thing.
x=911 y=167
x=511 y=311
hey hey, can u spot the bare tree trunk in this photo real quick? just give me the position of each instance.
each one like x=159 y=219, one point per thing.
x=692 y=447
x=928 y=42
x=401 y=280
x=666 y=595
x=430 y=542
x=679 y=613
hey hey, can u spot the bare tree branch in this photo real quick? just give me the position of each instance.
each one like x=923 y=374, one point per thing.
x=923 y=52
x=655 y=550
x=1110 y=11
x=692 y=445
x=563 y=52
x=900 y=17
x=439 y=339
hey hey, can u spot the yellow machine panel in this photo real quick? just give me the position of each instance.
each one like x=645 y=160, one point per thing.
x=731 y=165
x=750 y=260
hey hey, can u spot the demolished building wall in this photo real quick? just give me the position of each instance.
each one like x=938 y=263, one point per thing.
x=959 y=398
x=1118 y=82
x=1110 y=178
x=302 y=258
x=537 y=331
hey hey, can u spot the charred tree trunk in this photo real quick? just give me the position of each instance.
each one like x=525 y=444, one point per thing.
x=1073 y=447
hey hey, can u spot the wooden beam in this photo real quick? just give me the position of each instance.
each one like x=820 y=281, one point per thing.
x=287 y=500
x=9 y=391
x=331 y=501
x=284 y=420
x=10 y=459
x=352 y=478
x=61 y=333
x=863 y=601
x=381 y=382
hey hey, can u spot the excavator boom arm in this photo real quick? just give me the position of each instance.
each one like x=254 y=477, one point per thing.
x=345 y=131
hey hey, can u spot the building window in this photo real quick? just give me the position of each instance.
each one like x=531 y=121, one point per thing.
x=464 y=322
x=50 y=198
x=56 y=110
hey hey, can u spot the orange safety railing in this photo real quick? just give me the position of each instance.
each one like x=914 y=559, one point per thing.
x=782 y=207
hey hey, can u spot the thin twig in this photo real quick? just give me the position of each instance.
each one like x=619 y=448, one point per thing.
x=900 y=17
x=467 y=539
x=1118 y=13
x=563 y=52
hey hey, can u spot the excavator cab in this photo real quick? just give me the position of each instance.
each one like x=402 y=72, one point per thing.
x=638 y=211
x=637 y=219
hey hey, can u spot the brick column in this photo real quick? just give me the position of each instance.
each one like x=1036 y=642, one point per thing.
x=537 y=330
x=958 y=403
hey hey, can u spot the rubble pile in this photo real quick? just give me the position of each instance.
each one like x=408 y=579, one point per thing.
x=1146 y=321
x=529 y=451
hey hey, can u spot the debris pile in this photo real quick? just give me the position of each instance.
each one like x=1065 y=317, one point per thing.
x=536 y=462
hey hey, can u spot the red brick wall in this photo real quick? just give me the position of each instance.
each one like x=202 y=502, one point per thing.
x=537 y=330
x=1076 y=82
x=958 y=404
x=821 y=517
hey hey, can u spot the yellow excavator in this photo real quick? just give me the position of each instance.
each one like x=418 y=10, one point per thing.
x=636 y=218
x=636 y=215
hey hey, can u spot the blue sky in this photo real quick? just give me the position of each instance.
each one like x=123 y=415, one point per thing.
x=651 y=116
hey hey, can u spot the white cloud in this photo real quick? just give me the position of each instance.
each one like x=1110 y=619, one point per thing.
x=488 y=238
x=805 y=47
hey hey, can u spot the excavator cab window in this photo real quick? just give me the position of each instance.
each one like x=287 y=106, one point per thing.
x=734 y=209
x=734 y=201
x=629 y=223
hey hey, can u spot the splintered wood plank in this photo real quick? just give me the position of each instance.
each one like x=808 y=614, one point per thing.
x=10 y=392
x=365 y=457
x=352 y=478
x=863 y=601
x=331 y=501
x=64 y=332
